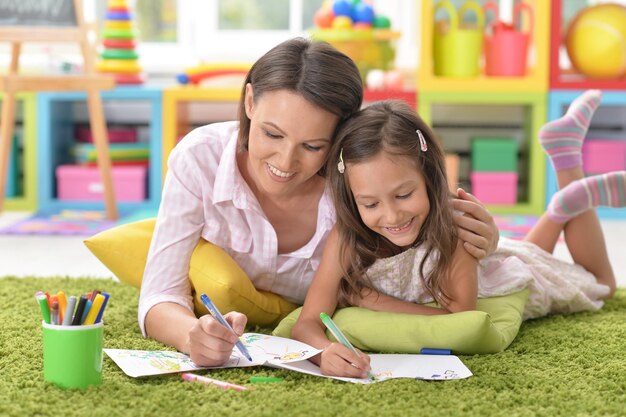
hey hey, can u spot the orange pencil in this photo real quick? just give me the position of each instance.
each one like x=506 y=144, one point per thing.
x=62 y=305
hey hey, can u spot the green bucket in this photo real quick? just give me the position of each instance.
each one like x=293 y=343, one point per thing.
x=72 y=355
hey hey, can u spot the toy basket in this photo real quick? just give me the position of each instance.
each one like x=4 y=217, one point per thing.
x=369 y=49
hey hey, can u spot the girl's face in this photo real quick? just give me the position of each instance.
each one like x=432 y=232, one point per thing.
x=391 y=197
x=289 y=140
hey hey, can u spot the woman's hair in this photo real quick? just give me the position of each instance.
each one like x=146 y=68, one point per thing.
x=318 y=72
x=390 y=126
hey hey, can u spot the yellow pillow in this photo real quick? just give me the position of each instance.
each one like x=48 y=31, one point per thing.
x=124 y=249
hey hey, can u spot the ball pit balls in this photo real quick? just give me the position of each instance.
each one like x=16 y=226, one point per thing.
x=596 y=41
x=342 y=22
x=382 y=22
x=362 y=26
x=342 y=8
x=323 y=18
x=363 y=13
x=375 y=79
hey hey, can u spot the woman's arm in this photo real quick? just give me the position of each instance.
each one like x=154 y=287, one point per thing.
x=166 y=303
x=477 y=229
x=322 y=297
x=373 y=300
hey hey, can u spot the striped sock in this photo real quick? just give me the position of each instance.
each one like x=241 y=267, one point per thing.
x=606 y=190
x=562 y=139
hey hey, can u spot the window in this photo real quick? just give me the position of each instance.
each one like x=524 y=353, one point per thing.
x=175 y=34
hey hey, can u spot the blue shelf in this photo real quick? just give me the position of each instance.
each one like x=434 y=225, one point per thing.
x=558 y=101
x=56 y=121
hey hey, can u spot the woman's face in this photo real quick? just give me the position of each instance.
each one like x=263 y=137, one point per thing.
x=391 y=196
x=289 y=140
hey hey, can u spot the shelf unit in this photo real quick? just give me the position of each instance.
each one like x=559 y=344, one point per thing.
x=178 y=118
x=57 y=115
x=536 y=79
x=531 y=111
x=563 y=78
x=409 y=96
x=559 y=101
x=26 y=126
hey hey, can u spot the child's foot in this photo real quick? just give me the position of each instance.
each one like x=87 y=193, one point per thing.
x=607 y=190
x=563 y=138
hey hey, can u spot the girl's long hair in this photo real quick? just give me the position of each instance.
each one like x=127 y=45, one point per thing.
x=390 y=126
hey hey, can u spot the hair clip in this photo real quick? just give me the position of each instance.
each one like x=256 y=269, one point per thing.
x=340 y=166
x=423 y=145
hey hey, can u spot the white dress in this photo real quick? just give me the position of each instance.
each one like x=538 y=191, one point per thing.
x=555 y=286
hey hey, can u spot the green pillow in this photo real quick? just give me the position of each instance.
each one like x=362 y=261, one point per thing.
x=489 y=329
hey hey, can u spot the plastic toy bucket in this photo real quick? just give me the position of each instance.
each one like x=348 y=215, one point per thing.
x=506 y=48
x=457 y=49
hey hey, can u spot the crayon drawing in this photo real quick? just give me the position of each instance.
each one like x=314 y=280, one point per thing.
x=146 y=362
x=290 y=354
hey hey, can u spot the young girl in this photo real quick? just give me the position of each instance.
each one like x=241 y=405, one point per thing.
x=395 y=246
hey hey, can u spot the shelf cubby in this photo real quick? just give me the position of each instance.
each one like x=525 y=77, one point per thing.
x=535 y=80
x=26 y=130
x=562 y=77
x=185 y=107
x=458 y=117
x=59 y=113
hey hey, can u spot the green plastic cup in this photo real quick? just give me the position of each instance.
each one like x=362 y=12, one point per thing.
x=72 y=355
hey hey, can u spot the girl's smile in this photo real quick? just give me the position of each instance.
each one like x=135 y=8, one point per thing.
x=391 y=196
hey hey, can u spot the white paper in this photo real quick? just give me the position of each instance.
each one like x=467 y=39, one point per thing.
x=291 y=354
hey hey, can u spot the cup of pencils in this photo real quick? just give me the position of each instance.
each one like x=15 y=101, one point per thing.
x=72 y=338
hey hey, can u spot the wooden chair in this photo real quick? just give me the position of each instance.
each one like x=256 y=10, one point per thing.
x=88 y=81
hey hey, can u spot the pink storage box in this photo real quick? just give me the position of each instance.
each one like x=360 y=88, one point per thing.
x=76 y=182
x=601 y=156
x=116 y=135
x=495 y=187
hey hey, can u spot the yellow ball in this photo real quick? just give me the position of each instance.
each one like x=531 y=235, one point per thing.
x=596 y=41
x=342 y=22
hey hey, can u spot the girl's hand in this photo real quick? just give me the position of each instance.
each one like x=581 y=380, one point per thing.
x=210 y=343
x=338 y=360
x=477 y=229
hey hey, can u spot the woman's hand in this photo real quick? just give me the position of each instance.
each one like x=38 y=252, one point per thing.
x=338 y=360
x=210 y=343
x=477 y=229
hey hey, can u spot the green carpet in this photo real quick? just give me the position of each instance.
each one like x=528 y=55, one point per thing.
x=558 y=366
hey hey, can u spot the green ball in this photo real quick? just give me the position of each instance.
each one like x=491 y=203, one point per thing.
x=382 y=22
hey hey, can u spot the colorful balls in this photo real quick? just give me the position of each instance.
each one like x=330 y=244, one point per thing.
x=375 y=79
x=394 y=80
x=342 y=22
x=596 y=41
x=323 y=18
x=342 y=8
x=363 y=13
x=382 y=22
x=362 y=26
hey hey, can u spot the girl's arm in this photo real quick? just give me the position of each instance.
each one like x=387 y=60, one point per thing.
x=461 y=287
x=462 y=282
x=336 y=359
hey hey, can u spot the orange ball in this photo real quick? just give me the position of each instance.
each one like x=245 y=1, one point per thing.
x=323 y=18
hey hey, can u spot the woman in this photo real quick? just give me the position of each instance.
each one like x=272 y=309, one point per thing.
x=256 y=188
